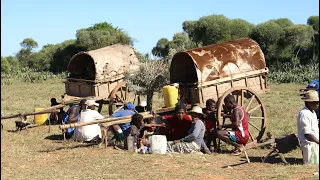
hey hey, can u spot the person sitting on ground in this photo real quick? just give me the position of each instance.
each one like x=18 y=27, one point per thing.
x=135 y=127
x=122 y=130
x=239 y=135
x=56 y=118
x=92 y=132
x=193 y=142
x=210 y=123
x=177 y=126
x=308 y=129
x=72 y=116
x=141 y=107
x=145 y=135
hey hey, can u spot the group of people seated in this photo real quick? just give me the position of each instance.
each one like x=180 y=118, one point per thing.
x=195 y=134
x=186 y=132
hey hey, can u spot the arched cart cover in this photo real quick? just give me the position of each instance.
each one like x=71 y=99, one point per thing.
x=103 y=63
x=216 y=61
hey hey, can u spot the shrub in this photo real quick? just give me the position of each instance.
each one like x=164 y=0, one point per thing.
x=287 y=73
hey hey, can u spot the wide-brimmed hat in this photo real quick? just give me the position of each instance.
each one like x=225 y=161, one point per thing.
x=91 y=103
x=311 y=96
x=198 y=110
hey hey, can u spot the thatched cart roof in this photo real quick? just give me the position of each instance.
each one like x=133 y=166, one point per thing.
x=103 y=63
x=217 y=61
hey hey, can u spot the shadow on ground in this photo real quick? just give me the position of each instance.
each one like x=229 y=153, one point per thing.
x=274 y=159
x=55 y=137
x=71 y=147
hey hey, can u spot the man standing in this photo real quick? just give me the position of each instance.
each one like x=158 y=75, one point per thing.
x=239 y=135
x=308 y=129
x=90 y=132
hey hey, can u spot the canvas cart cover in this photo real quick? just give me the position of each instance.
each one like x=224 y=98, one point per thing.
x=103 y=63
x=216 y=61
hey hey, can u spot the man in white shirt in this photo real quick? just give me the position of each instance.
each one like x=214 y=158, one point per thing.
x=90 y=132
x=308 y=129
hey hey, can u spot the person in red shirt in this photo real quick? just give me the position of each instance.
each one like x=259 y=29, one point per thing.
x=239 y=135
x=178 y=125
x=210 y=123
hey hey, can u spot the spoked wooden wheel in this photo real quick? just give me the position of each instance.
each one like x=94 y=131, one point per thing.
x=119 y=96
x=251 y=102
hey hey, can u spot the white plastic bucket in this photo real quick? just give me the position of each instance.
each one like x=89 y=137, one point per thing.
x=158 y=144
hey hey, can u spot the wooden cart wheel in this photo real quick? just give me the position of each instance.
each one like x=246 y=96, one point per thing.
x=119 y=96
x=255 y=109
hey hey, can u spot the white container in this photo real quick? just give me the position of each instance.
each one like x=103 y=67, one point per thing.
x=158 y=144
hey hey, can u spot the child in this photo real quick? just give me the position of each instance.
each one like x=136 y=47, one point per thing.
x=210 y=123
x=135 y=126
x=145 y=136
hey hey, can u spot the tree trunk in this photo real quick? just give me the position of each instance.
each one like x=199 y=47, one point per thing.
x=149 y=100
x=314 y=49
x=296 y=57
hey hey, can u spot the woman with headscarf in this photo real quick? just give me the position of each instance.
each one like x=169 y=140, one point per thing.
x=193 y=142
x=177 y=126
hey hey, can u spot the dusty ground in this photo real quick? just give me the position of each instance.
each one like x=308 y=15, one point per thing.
x=42 y=155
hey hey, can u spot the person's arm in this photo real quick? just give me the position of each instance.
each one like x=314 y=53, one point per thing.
x=72 y=116
x=311 y=138
x=98 y=115
x=193 y=135
x=237 y=114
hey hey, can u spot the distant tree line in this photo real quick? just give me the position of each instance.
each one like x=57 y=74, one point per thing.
x=281 y=41
x=55 y=57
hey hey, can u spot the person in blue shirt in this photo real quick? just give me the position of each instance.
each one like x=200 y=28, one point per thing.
x=72 y=116
x=122 y=130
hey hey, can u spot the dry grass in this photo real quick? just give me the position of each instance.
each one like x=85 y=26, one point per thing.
x=42 y=155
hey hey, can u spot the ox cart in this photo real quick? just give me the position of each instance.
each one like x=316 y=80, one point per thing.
x=212 y=72
x=215 y=71
x=99 y=74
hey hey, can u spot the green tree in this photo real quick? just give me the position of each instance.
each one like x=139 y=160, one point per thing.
x=142 y=57
x=150 y=78
x=181 y=42
x=27 y=47
x=298 y=37
x=283 y=22
x=162 y=48
x=101 y=35
x=240 y=28
x=5 y=65
x=314 y=22
x=29 y=44
x=190 y=28
x=216 y=28
x=268 y=36
x=14 y=63
x=212 y=29
x=63 y=54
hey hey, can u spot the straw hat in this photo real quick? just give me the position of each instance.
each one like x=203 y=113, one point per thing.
x=198 y=110
x=311 y=96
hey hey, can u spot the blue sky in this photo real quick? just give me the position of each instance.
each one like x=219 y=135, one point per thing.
x=51 y=22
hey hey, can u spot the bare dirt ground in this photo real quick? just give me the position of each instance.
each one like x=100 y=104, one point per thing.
x=43 y=155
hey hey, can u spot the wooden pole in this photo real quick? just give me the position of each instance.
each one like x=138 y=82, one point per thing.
x=121 y=120
x=30 y=114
